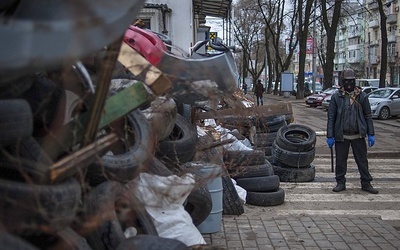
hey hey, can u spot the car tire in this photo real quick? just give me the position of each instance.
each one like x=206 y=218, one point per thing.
x=264 y=139
x=28 y=209
x=199 y=205
x=180 y=146
x=266 y=199
x=259 y=183
x=296 y=137
x=125 y=166
x=14 y=242
x=265 y=169
x=384 y=113
x=292 y=158
x=287 y=174
x=25 y=161
x=235 y=158
x=16 y=122
x=161 y=116
x=231 y=203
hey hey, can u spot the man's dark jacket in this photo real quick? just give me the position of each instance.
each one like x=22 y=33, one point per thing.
x=336 y=116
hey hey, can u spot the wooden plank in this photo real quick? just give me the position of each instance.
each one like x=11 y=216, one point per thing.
x=71 y=164
x=281 y=108
x=144 y=70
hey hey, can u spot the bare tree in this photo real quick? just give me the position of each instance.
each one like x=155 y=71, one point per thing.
x=304 y=22
x=278 y=19
x=384 y=44
x=248 y=31
x=330 y=21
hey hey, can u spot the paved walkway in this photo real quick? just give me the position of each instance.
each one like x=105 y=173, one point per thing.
x=304 y=232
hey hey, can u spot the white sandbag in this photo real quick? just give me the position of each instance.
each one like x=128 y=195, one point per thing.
x=163 y=198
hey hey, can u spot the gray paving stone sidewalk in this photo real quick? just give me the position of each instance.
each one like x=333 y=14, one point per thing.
x=304 y=232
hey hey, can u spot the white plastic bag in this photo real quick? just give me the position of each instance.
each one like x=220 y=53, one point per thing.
x=241 y=192
x=163 y=198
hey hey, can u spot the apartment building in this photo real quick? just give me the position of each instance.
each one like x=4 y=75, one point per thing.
x=358 y=41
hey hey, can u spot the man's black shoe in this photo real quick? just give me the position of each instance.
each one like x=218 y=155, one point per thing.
x=339 y=187
x=370 y=189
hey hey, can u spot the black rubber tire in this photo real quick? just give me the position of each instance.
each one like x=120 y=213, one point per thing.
x=259 y=183
x=265 y=169
x=100 y=222
x=266 y=199
x=268 y=124
x=243 y=157
x=292 y=158
x=264 y=139
x=211 y=154
x=384 y=113
x=296 y=137
x=232 y=205
x=13 y=242
x=180 y=146
x=126 y=166
x=286 y=174
x=199 y=205
x=16 y=122
x=26 y=161
x=151 y=242
x=161 y=116
x=26 y=208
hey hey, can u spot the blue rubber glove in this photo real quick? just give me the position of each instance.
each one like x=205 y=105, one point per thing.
x=371 y=140
x=330 y=141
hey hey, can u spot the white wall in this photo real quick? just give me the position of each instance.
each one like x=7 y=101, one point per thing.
x=180 y=24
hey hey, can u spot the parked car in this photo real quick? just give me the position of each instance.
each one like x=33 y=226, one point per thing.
x=315 y=100
x=326 y=101
x=385 y=102
x=308 y=88
x=368 y=89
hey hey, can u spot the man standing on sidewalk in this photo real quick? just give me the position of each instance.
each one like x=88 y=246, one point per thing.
x=258 y=91
x=349 y=122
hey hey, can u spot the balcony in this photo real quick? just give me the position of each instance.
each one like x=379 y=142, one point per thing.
x=341 y=60
x=353 y=60
x=353 y=34
x=374 y=60
x=391 y=38
x=373 y=24
x=374 y=43
x=392 y=18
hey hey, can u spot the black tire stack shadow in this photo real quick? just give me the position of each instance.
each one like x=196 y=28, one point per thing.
x=255 y=174
x=293 y=152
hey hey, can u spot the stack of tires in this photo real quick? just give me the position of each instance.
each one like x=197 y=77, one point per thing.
x=293 y=152
x=255 y=174
x=266 y=132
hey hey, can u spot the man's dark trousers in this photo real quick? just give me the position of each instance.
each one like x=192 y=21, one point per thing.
x=359 y=148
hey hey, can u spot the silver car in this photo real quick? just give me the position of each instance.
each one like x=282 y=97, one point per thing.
x=385 y=102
